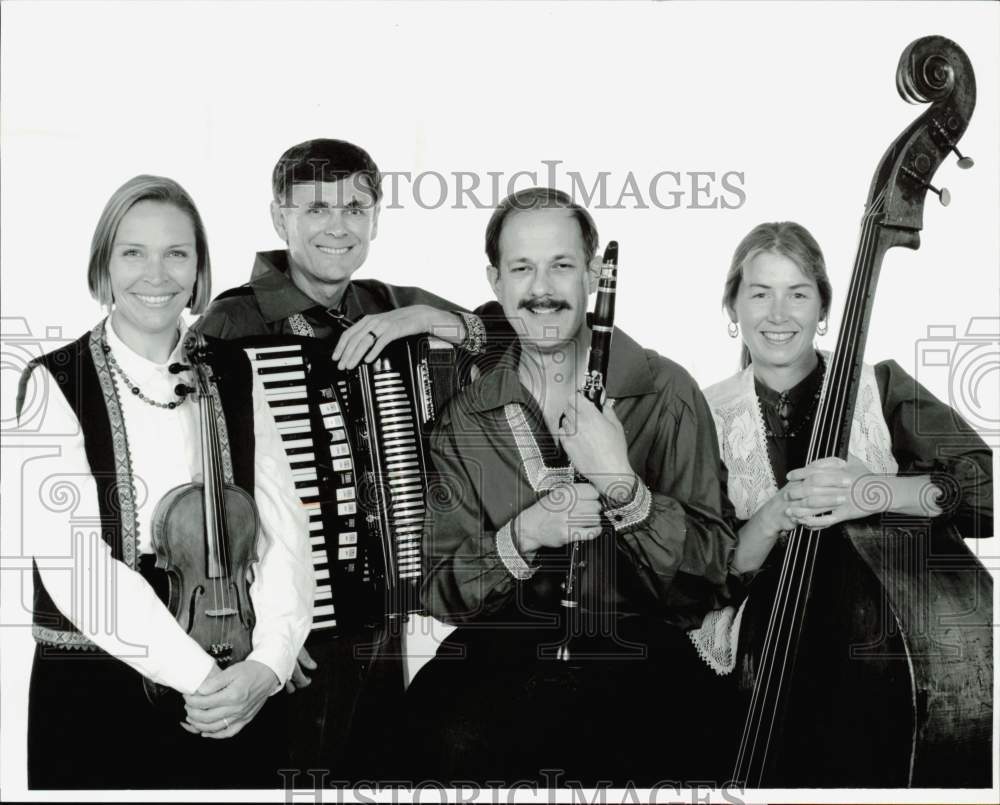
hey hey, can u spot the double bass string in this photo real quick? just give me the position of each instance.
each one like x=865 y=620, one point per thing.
x=803 y=545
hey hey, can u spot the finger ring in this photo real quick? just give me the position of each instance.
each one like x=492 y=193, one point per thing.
x=225 y=721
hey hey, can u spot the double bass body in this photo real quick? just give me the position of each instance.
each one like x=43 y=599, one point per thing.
x=892 y=685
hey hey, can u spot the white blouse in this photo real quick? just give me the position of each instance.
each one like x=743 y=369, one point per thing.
x=112 y=604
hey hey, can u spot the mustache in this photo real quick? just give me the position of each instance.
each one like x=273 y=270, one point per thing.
x=557 y=304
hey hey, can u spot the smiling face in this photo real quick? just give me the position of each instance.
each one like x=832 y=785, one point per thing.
x=152 y=269
x=543 y=278
x=778 y=307
x=328 y=228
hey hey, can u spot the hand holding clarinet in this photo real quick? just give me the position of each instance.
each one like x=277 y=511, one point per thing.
x=591 y=434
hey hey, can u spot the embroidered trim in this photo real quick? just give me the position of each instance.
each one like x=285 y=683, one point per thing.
x=634 y=512
x=220 y=424
x=124 y=480
x=717 y=638
x=740 y=427
x=475 y=334
x=511 y=559
x=742 y=444
x=60 y=639
x=300 y=326
x=541 y=477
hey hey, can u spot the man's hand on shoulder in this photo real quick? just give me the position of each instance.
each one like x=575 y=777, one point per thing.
x=365 y=340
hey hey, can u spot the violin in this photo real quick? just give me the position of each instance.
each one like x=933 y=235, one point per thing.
x=872 y=665
x=205 y=536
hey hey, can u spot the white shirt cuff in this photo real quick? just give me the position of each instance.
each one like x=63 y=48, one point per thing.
x=511 y=559
x=633 y=513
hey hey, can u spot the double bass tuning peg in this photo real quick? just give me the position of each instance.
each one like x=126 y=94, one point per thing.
x=963 y=162
x=943 y=194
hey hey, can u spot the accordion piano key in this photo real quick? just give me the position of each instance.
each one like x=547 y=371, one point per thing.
x=369 y=427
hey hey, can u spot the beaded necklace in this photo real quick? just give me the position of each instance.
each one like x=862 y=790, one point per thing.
x=783 y=409
x=133 y=387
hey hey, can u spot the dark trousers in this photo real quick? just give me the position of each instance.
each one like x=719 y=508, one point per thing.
x=507 y=712
x=90 y=726
x=344 y=724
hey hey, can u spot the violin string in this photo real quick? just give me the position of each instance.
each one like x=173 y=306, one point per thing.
x=220 y=519
x=218 y=582
x=210 y=487
x=803 y=545
x=210 y=490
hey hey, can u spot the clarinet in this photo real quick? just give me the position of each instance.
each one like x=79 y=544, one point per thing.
x=601 y=327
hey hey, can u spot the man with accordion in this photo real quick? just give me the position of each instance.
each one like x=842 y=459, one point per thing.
x=304 y=323
x=533 y=686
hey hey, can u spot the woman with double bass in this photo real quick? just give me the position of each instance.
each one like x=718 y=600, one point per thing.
x=178 y=574
x=865 y=644
x=911 y=458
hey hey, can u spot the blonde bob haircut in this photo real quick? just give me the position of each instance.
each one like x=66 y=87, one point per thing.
x=136 y=189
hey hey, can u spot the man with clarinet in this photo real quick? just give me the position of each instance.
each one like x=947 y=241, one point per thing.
x=557 y=671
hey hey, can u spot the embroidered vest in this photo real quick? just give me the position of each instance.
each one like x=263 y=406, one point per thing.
x=82 y=373
x=742 y=444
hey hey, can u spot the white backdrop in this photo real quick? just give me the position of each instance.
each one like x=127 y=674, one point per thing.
x=799 y=99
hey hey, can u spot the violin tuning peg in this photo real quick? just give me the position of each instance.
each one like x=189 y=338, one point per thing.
x=177 y=368
x=182 y=389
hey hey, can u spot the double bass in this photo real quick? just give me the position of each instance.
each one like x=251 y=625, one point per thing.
x=872 y=665
x=205 y=537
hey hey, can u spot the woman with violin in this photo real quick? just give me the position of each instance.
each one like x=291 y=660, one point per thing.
x=182 y=577
x=909 y=453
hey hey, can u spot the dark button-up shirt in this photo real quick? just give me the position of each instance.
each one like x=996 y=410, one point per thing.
x=670 y=563
x=262 y=307
x=928 y=438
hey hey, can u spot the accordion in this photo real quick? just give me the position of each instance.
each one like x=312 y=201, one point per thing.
x=357 y=446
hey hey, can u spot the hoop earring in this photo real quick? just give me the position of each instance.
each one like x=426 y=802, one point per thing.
x=821 y=328
x=733 y=329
